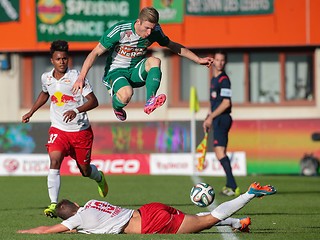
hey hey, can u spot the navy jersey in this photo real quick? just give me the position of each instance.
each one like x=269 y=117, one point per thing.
x=220 y=88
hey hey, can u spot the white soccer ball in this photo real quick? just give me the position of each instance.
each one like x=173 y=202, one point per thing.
x=202 y=194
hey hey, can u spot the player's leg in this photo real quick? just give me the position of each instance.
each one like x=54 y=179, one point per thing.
x=221 y=127
x=53 y=182
x=121 y=98
x=237 y=224
x=148 y=71
x=56 y=147
x=91 y=171
x=81 y=151
x=194 y=223
x=120 y=91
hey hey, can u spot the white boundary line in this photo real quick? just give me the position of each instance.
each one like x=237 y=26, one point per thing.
x=226 y=232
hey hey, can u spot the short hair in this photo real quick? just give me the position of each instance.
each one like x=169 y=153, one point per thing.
x=66 y=209
x=59 y=45
x=149 y=14
x=222 y=52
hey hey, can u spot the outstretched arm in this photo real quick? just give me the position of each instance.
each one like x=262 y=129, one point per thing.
x=88 y=63
x=41 y=100
x=185 y=52
x=58 y=228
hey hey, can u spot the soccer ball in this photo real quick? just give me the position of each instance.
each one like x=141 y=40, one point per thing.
x=202 y=194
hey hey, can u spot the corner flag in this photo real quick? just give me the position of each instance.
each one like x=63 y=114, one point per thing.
x=194 y=103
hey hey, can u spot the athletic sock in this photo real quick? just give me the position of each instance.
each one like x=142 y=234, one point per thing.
x=203 y=213
x=95 y=175
x=225 y=162
x=153 y=81
x=226 y=209
x=116 y=103
x=232 y=222
x=53 y=182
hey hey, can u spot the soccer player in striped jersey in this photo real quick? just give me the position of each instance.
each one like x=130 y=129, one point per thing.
x=127 y=66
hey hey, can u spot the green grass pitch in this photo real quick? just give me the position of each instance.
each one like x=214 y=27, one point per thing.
x=292 y=213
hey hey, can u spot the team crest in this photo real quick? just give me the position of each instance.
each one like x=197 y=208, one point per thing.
x=128 y=34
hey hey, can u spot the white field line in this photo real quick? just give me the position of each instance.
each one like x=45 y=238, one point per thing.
x=226 y=232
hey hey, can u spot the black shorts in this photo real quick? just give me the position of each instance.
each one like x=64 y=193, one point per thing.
x=221 y=128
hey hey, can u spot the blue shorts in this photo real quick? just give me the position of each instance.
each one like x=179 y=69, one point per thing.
x=221 y=126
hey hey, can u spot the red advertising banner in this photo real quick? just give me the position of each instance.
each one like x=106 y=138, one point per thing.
x=112 y=164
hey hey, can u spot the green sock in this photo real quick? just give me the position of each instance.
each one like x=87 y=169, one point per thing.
x=153 y=81
x=116 y=103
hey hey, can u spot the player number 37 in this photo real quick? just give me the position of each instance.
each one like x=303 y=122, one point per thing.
x=52 y=138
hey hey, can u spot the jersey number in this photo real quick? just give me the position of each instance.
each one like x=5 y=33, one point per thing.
x=52 y=138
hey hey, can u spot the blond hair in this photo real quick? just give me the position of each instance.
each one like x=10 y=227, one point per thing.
x=149 y=14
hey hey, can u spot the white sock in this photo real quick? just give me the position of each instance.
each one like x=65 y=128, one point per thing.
x=53 y=183
x=203 y=213
x=95 y=175
x=226 y=209
x=232 y=222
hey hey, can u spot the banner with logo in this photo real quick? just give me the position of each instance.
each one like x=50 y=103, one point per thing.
x=81 y=21
x=127 y=164
x=170 y=11
x=131 y=164
x=9 y=10
x=229 y=7
x=38 y=164
x=184 y=164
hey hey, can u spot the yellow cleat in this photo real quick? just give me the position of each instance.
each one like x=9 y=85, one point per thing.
x=103 y=186
x=51 y=210
x=230 y=192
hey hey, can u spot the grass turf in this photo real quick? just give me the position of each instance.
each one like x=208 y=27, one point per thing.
x=293 y=213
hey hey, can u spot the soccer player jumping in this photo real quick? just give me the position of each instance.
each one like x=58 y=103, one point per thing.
x=127 y=66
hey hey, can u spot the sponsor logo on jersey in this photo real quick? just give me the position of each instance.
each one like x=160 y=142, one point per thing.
x=130 y=52
x=60 y=99
x=128 y=34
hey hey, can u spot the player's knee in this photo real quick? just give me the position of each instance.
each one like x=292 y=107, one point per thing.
x=55 y=164
x=153 y=62
x=125 y=95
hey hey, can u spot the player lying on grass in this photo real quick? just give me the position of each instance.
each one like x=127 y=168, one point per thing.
x=103 y=218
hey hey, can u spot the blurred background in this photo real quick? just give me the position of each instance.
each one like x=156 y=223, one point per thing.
x=273 y=51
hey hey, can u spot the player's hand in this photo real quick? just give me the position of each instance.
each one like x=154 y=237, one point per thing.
x=78 y=85
x=207 y=124
x=207 y=61
x=68 y=116
x=26 y=117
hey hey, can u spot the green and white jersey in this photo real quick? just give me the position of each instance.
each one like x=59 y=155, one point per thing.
x=126 y=48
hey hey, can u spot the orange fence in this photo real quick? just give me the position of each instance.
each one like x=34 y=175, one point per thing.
x=293 y=23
